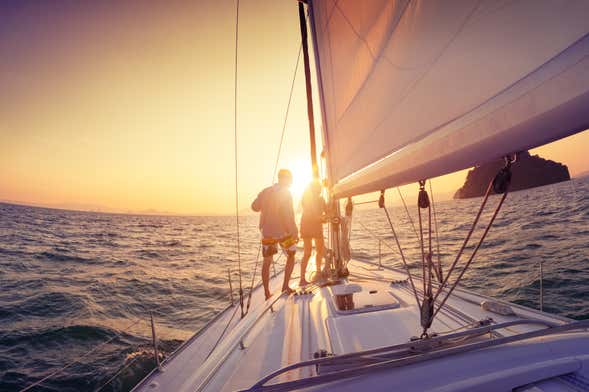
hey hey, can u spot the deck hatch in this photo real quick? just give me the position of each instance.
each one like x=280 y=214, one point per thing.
x=355 y=298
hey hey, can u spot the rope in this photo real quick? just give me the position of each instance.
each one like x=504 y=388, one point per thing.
x=479 y=323
x=396 y=362
x=422 y=251
x=407 y=211
x=77 y=360
x=402 y=255
x=472 y=255
x=236 y=161
x=248 y=303
x=426 y=259
x=476 y=220
x=222 y=333
x=439 y=270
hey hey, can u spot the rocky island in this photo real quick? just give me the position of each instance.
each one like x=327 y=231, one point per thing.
x=528 y=172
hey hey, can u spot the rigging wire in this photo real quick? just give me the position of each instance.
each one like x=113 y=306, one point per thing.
x=292 y=85
x=236 y=160
x=407 y=211
x=426 y=258
x=471 y=256
x=440 y=274
x=500 y=184
x=294 y=77
x=383 y=206
x=423 y=256
x=465 y=243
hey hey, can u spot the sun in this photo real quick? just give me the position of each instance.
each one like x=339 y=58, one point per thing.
x=302 y=176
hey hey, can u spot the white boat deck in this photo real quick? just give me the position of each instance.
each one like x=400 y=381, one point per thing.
x=287 y=330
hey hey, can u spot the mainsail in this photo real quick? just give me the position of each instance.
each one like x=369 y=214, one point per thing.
x=416 y=89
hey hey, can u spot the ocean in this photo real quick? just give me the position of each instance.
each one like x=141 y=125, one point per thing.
x=79 y=281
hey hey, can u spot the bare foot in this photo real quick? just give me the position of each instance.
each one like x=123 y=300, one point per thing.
x=303 y=282
x=268 y=295
x=288 y=290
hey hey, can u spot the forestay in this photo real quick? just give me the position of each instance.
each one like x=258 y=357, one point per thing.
x=414 y=90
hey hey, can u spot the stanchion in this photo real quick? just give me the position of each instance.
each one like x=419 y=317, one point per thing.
x=230 y=285
x=154 y=339
x=379 y=253
x=541 y=287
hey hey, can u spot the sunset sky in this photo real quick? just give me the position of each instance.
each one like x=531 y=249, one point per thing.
x=127 y=106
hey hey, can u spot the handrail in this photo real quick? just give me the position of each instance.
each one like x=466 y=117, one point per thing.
x=423 y=344
x=463 y=291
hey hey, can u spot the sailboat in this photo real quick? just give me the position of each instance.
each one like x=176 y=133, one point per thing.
x=408 y=91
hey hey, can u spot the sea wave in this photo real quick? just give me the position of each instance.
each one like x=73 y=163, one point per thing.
x=74 y=280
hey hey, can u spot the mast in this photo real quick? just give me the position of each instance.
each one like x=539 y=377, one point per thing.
x=334 y=208
x=303 y=23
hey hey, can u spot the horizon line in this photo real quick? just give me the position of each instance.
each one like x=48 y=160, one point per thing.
x=244 y=212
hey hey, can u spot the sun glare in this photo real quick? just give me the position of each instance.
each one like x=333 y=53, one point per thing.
x=302 y=176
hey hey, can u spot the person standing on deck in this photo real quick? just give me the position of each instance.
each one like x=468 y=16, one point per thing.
x=278 y=227
x=314 y=210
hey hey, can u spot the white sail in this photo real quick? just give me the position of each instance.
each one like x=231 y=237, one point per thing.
x=414 y=90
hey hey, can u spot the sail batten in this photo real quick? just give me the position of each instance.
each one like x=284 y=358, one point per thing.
x=407 y=84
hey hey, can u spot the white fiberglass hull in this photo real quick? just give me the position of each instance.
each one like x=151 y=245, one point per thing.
x=287 y=330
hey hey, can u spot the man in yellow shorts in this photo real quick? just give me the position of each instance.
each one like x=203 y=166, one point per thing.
x=278 y=227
